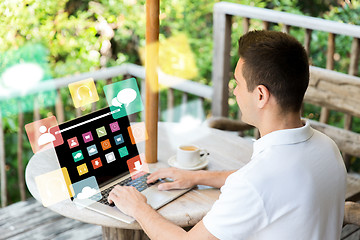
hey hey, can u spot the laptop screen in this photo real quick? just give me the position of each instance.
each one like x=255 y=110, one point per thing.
x=96 y=145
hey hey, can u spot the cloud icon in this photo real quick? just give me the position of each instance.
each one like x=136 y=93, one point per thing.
x=78 y=155
x=87 y=192
x=125 y=96
x=92 y=150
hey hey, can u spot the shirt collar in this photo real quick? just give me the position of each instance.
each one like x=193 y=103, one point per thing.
x=283 y=137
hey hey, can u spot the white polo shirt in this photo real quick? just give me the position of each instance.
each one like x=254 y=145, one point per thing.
x=293 y=188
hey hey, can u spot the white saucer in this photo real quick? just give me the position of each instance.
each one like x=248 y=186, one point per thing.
x=173 y=163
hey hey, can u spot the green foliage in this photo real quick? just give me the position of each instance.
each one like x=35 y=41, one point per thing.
x=68 y=37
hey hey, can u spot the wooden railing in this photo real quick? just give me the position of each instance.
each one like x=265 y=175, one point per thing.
x=173 y=83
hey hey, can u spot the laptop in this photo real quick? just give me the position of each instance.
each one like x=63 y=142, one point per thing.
x=97 y=146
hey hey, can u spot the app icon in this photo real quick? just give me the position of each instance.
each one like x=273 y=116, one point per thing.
x=86 y=192
x=78 y=155
x=137 y=132
x=114 y=127
x=123 y=98
x=105 y=144
x=123 y=152
x=82 y=169
x=54 y=186
x=101 y=131
x=92 y=150
x=44 y=134
x=73 y=142
x=110 y=157
x=83 y=92
x=119 y=139
x=137 y=167
x=96 y=163
x=87 y=137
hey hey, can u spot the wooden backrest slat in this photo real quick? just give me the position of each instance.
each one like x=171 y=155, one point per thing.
x=266 y=25
x=334 y=90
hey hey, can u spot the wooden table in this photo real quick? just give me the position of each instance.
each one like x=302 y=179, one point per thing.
x=227 y=151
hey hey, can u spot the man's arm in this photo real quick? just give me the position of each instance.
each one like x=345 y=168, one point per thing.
x=133 y=203
x=185 y=179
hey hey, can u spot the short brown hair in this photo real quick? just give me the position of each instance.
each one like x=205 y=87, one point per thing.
x=277 y=61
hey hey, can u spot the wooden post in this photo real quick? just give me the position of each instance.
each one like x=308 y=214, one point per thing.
x=325 y=113
x=221 y=64
x=151 y=76
x=20 y=153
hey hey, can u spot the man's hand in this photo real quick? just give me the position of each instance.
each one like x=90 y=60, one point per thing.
x=182 y=178
x=127 y=199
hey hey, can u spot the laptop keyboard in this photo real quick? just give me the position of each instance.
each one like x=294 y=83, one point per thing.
x=139 y=183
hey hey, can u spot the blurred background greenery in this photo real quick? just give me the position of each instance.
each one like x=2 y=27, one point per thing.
x=67 y=37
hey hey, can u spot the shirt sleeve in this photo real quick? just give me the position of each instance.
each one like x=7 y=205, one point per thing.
x=238 y=213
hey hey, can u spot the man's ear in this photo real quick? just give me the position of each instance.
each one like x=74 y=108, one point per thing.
x=263 y=95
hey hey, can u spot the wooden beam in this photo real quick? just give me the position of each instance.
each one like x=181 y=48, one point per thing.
x=152 y=84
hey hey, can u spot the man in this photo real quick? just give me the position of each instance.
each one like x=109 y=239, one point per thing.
x=294 y=185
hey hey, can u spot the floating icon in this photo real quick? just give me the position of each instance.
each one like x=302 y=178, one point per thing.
x=86 y=192
x=54 y=186
x=83 y=92
x=123 y=98
x=137 y=167
x=44 y=134
x=137 y=132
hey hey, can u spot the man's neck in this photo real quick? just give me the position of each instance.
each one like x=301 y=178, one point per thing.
x=277 y=122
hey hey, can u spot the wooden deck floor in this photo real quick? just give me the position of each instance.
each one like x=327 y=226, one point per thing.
x=30 y=220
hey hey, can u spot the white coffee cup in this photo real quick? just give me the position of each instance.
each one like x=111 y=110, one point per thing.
x=188 y=155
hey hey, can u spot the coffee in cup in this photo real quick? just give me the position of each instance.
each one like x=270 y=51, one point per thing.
x=188 y=155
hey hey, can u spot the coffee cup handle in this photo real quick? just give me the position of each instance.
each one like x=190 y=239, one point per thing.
x=203 y=154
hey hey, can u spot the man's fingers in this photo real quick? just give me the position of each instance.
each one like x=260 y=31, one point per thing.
x=162 y=173
x=168 y=186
